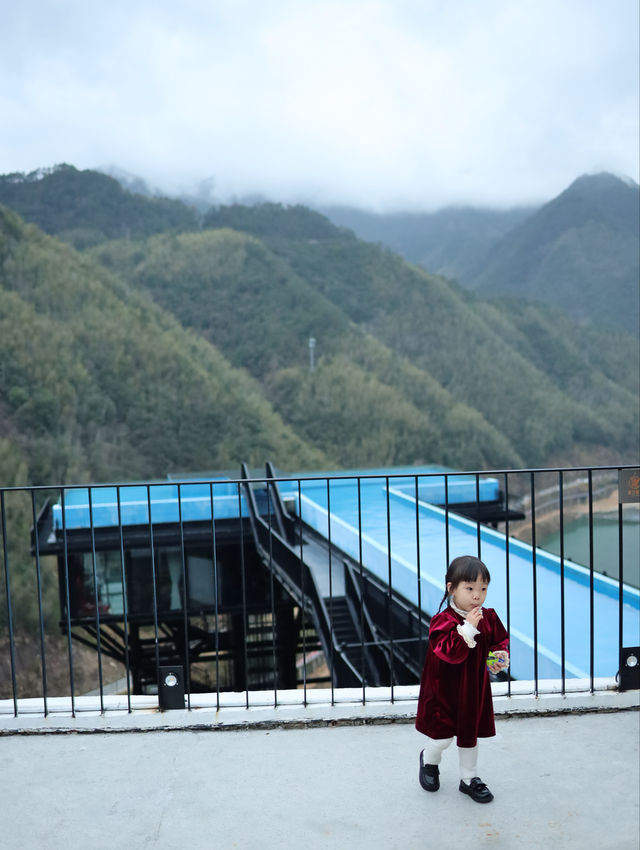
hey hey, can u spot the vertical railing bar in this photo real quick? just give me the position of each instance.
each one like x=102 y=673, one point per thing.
x=7 y=583
x=125 y=604
x=302 y=611
x=392 y=671
x=43 y=654
x=361 y=565
x=534 y=569
x=330 y=593
x=245 y=616
x=215 y=596
x=591 y=585
x=418 y=562
x=562 y=599
x=274 y=655
x=479 y=541
x=620 y=581
x=185 y=601
x=95 y=597
x=155 y=589
x=67 y=600
x=507 y=552
x=446 y=521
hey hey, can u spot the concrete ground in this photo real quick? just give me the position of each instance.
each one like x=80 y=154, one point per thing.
x=567 y=781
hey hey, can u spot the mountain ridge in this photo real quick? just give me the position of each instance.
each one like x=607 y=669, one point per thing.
x=452 y=241
x=579 y=252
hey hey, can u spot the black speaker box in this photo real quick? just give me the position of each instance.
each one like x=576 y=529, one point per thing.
x=171 y=688
x=630 y=668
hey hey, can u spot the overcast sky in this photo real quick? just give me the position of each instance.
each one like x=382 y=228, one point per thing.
x=386 y=104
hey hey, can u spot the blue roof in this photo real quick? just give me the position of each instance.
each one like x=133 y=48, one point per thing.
x=133 y=502
x=195 y=504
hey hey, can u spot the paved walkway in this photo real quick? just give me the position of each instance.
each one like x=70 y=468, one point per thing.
x=569 y=781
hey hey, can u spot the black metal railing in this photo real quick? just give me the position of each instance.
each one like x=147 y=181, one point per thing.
x=272 y=583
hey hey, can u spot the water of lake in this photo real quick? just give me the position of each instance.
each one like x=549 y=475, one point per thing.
x=605 y=544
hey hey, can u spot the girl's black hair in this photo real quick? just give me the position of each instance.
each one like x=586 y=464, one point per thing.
x=464 y=568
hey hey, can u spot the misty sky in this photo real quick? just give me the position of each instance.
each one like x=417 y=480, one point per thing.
x=386 y=104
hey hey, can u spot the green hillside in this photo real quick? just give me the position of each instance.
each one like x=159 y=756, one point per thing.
x=363 y=404
x=99 y=383
x=443 y=330
x=87 y=207
x=453 y=242
x=580 y=252
x=380 y=324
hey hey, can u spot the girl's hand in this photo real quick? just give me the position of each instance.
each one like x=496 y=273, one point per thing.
x=502 y=660
x=474 y=616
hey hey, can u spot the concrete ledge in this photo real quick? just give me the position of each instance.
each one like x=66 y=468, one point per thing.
x=260 y=709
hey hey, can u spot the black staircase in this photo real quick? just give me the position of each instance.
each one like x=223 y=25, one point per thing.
x=361 y=648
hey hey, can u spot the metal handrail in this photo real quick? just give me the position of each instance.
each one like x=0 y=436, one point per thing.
x=278 y=538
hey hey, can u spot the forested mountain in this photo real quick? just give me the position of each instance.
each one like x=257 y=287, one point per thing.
x=363 y=404
x=580 y=252
x=457 y=339
x=453 y=242
x=99 y=383
x=189 y=350
x=87 y=207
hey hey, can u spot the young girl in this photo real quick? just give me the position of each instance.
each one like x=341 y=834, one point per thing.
x=455 y=691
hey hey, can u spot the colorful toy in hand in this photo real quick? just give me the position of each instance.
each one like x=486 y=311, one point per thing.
x=496 y=662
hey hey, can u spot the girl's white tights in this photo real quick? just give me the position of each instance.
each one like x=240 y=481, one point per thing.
x=467 y=756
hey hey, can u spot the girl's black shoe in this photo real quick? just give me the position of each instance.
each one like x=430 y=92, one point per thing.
x=477 y=790
x=429 y=775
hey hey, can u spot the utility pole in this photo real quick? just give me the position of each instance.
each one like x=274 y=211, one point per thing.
x=312 y=345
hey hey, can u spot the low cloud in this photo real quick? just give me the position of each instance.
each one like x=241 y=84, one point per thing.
x=370 y=102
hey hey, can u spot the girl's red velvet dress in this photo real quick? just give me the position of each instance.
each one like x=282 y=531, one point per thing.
x=455 y=691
